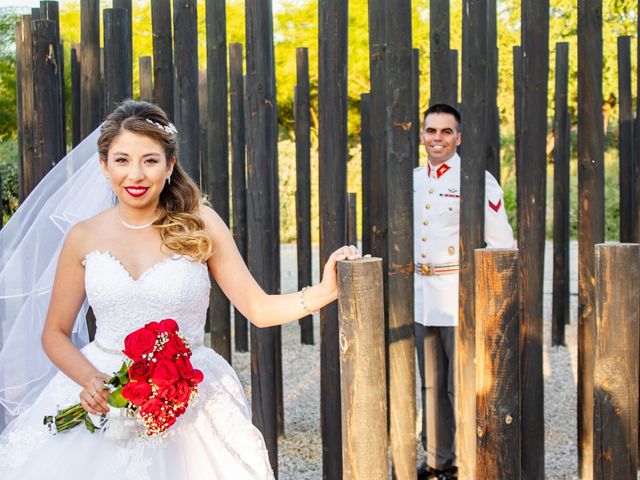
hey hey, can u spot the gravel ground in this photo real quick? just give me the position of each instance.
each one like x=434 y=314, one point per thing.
x=300 y=452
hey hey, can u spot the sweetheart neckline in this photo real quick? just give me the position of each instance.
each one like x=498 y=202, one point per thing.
x=108 y=254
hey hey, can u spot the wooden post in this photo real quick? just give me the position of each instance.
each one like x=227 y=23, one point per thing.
x=400 y=164
x=162 y=56
x=531 y=177
x=90 y=99
x=590 y=214
x=472 y=185
x=48 y=138
x=415 y=106
x=440 y=53
x=238 y=178
x=24 y=91
x=127 y=68
x=365 y=145
x=617 y=295
x=303 y=182
x=498 y=373
x=561 y=235
x=75 y=93
x=625 y=141
x=118 y=85
x=332 y=107
x=215 y=171
x=362 y=369
x=517 y=101
x=145 y=72
x=352 y=225
x=493 y=115
x=187 y=118
x=454 y=76
x=262 y=201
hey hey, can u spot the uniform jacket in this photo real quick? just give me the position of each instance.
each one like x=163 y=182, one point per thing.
x=436 y=216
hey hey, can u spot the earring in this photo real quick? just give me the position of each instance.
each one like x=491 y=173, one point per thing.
x=169 y=180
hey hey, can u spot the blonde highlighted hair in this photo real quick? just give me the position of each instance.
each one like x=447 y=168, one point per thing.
x=182 y=229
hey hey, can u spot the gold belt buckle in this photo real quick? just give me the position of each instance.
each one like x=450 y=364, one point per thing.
x=427 y=268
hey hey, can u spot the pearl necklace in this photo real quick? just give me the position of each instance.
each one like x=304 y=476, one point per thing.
x=133 y=227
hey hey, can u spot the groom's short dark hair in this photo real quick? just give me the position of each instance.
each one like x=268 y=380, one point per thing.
x=444 y=108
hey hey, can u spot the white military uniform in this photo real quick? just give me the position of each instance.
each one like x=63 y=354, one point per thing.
x=436 y=207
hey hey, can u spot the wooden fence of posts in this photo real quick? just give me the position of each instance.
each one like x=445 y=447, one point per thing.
x=498 y=396
x=386 y=138
x=561 y=219
x=615 y=383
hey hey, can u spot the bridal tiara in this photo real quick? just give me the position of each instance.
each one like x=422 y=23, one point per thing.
x=170 y=128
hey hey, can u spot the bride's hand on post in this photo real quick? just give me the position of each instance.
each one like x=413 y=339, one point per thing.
x=94 y=396
x=330 y=275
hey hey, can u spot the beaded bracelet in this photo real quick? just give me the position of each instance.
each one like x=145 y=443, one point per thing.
x=303 y=304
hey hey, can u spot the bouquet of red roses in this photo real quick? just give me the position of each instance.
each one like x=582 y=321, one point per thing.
x=157 y=382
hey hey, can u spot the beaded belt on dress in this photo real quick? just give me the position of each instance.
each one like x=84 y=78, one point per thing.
x=193 y=345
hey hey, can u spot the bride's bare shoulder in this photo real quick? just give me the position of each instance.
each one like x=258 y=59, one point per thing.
x=84 y=235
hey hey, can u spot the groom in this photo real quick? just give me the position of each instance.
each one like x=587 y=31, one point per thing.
x=436 y=216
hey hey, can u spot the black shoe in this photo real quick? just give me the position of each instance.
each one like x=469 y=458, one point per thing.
x=448 y=474
x=425 y=472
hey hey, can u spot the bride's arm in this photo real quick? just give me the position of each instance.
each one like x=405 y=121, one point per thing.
x=263 y=310
x=66 y=299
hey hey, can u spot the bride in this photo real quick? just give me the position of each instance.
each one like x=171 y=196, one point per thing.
x=146 y=258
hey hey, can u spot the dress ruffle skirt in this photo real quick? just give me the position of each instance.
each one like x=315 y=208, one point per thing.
x=214 y=439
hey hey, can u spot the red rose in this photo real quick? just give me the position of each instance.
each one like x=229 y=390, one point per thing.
x=140 y=370
x=176 y=341
x=168 y=325
x=185 y=369
x=136 y=392
x=165 y=373
x=153 y=326
x=183 y=392
x=153 y=407
x=198 y=377
x=168 y=393
x=139 y=343
x=167 y=352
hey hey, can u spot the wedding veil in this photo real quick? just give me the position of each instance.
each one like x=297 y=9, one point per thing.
x=30 y=243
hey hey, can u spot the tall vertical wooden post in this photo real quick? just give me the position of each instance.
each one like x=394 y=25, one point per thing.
x=332 y=107
x=498 y=373
x=415 y=106
x=517 y=100
x=117 y=47
x=352 y=223
x=262 y=154
x=127 y=68
x=625 y=141
x=146 y=78
x=590 y=213
x=303 y=182
x=75 y=93
x=24 y=91
x=187 y=119
x=362 y=368
x=531 y=194
x=440 y=54
x=400 y=164
x=48 y=138
x=617 y=297
x=561 y=235
x=215 y=171
x=90 y=100
x=163 y=73
x=493 y=115
x=472 y=185
x=238 y=177
x=365 y=145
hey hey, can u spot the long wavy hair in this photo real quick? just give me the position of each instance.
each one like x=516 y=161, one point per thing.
x=182 y=229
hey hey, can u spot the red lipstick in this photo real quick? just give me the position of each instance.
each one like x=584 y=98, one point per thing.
x=136 y=191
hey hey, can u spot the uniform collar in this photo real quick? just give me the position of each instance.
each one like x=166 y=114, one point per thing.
x=444 y=167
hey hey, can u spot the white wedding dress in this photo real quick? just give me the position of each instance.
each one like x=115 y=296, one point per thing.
x=214 y=439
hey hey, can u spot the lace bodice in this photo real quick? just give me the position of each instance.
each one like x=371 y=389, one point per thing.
x=175 y=287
